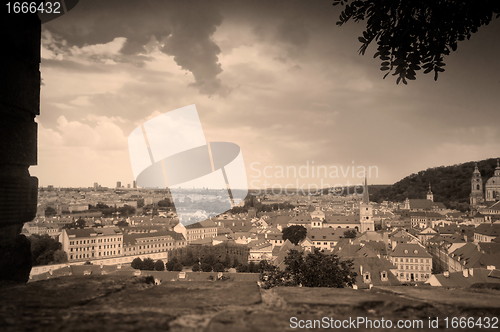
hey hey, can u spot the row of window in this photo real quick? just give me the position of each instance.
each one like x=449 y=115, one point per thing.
x=407 y=275
x=107 y=246
x=90 y=255
x=112 y=239
x=411 y=260
x=411 y=267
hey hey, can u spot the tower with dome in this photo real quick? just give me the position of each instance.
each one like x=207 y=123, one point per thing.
x=484 y=197
x=492 y=187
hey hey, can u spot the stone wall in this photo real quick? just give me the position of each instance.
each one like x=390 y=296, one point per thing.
x=19 y=104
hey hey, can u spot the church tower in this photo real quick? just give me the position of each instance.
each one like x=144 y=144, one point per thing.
x=430 y=196
x=476 y=194
x=366 y=212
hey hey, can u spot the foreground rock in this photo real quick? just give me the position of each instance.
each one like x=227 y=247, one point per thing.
x=135 y=304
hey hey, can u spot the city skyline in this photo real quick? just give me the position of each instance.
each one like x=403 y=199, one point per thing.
x=281 y=81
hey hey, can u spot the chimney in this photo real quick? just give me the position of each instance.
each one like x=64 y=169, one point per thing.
x=465 y=273
x=446 y=274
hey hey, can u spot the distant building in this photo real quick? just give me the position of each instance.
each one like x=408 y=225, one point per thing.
x=491 y=192
x=492 y=187
x=476 y=195
x=430 y=195
x=118 y=184
x=134 y=185
x=91 y=243
x=151 y=242
x=413 y=262
x=366 y=212
x=96 y=186
x=200 y=230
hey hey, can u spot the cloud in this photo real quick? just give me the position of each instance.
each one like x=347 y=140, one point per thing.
x=97 y=29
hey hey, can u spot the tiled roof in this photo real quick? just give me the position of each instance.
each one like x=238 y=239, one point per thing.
x=325 y=234
x=457 y=279
x=488 y=229
x=131 y=238
x=374 y=266
x=410 y=250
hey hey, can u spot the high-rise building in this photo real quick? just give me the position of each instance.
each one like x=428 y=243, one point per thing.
x=135 y=185
x=128 y=186
x=96 y=186
x=118 y=184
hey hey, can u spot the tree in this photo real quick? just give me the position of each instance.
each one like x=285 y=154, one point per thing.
x=50 y=211
x=188 y=259
x=177 y=267
x=137 y=263
x=227 y=262
x=126 y=210
x=148 y=264
x=165 y=203
x=350 y=234
x=414 y=34
x=43 y=248
x=196 y=268
x=242 y=268
x=218 y=267
x=70 y=225
x=205 y=267
x=236 y=263
x=60 y=256
x=159 y=265
x=209 y=259
x=318 y=269
x=171 y=263
x=80 y=223
x=265 y=266
x=122 y=223
x=294 y=233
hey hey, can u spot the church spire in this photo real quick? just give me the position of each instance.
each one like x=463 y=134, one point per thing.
x=366 y=197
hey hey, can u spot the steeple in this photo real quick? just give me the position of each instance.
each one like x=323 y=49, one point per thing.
x=366 y=197
x=430 y=195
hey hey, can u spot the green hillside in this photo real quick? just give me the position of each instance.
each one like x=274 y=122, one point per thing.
x=450 y=184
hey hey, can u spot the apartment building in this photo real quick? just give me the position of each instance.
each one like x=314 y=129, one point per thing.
x=413 y=262
x=92 y=243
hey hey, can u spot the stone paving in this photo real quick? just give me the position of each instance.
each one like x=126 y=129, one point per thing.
x=121 y=303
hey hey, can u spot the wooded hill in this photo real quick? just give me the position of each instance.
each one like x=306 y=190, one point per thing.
x=450 y=184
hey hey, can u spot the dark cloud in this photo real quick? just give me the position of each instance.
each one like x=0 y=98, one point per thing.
x=185 y=30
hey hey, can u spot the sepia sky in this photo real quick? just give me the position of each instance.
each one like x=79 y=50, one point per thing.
x=278 y=78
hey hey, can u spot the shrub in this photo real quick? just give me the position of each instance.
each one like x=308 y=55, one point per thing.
x=196 y=268
x=171 y=263
x=137 y=263
x=242 y=268
x=219 y=267
x=159 y=265
x=177 y=266
x=148 y=264
x=206 y=267
x=316 y=269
